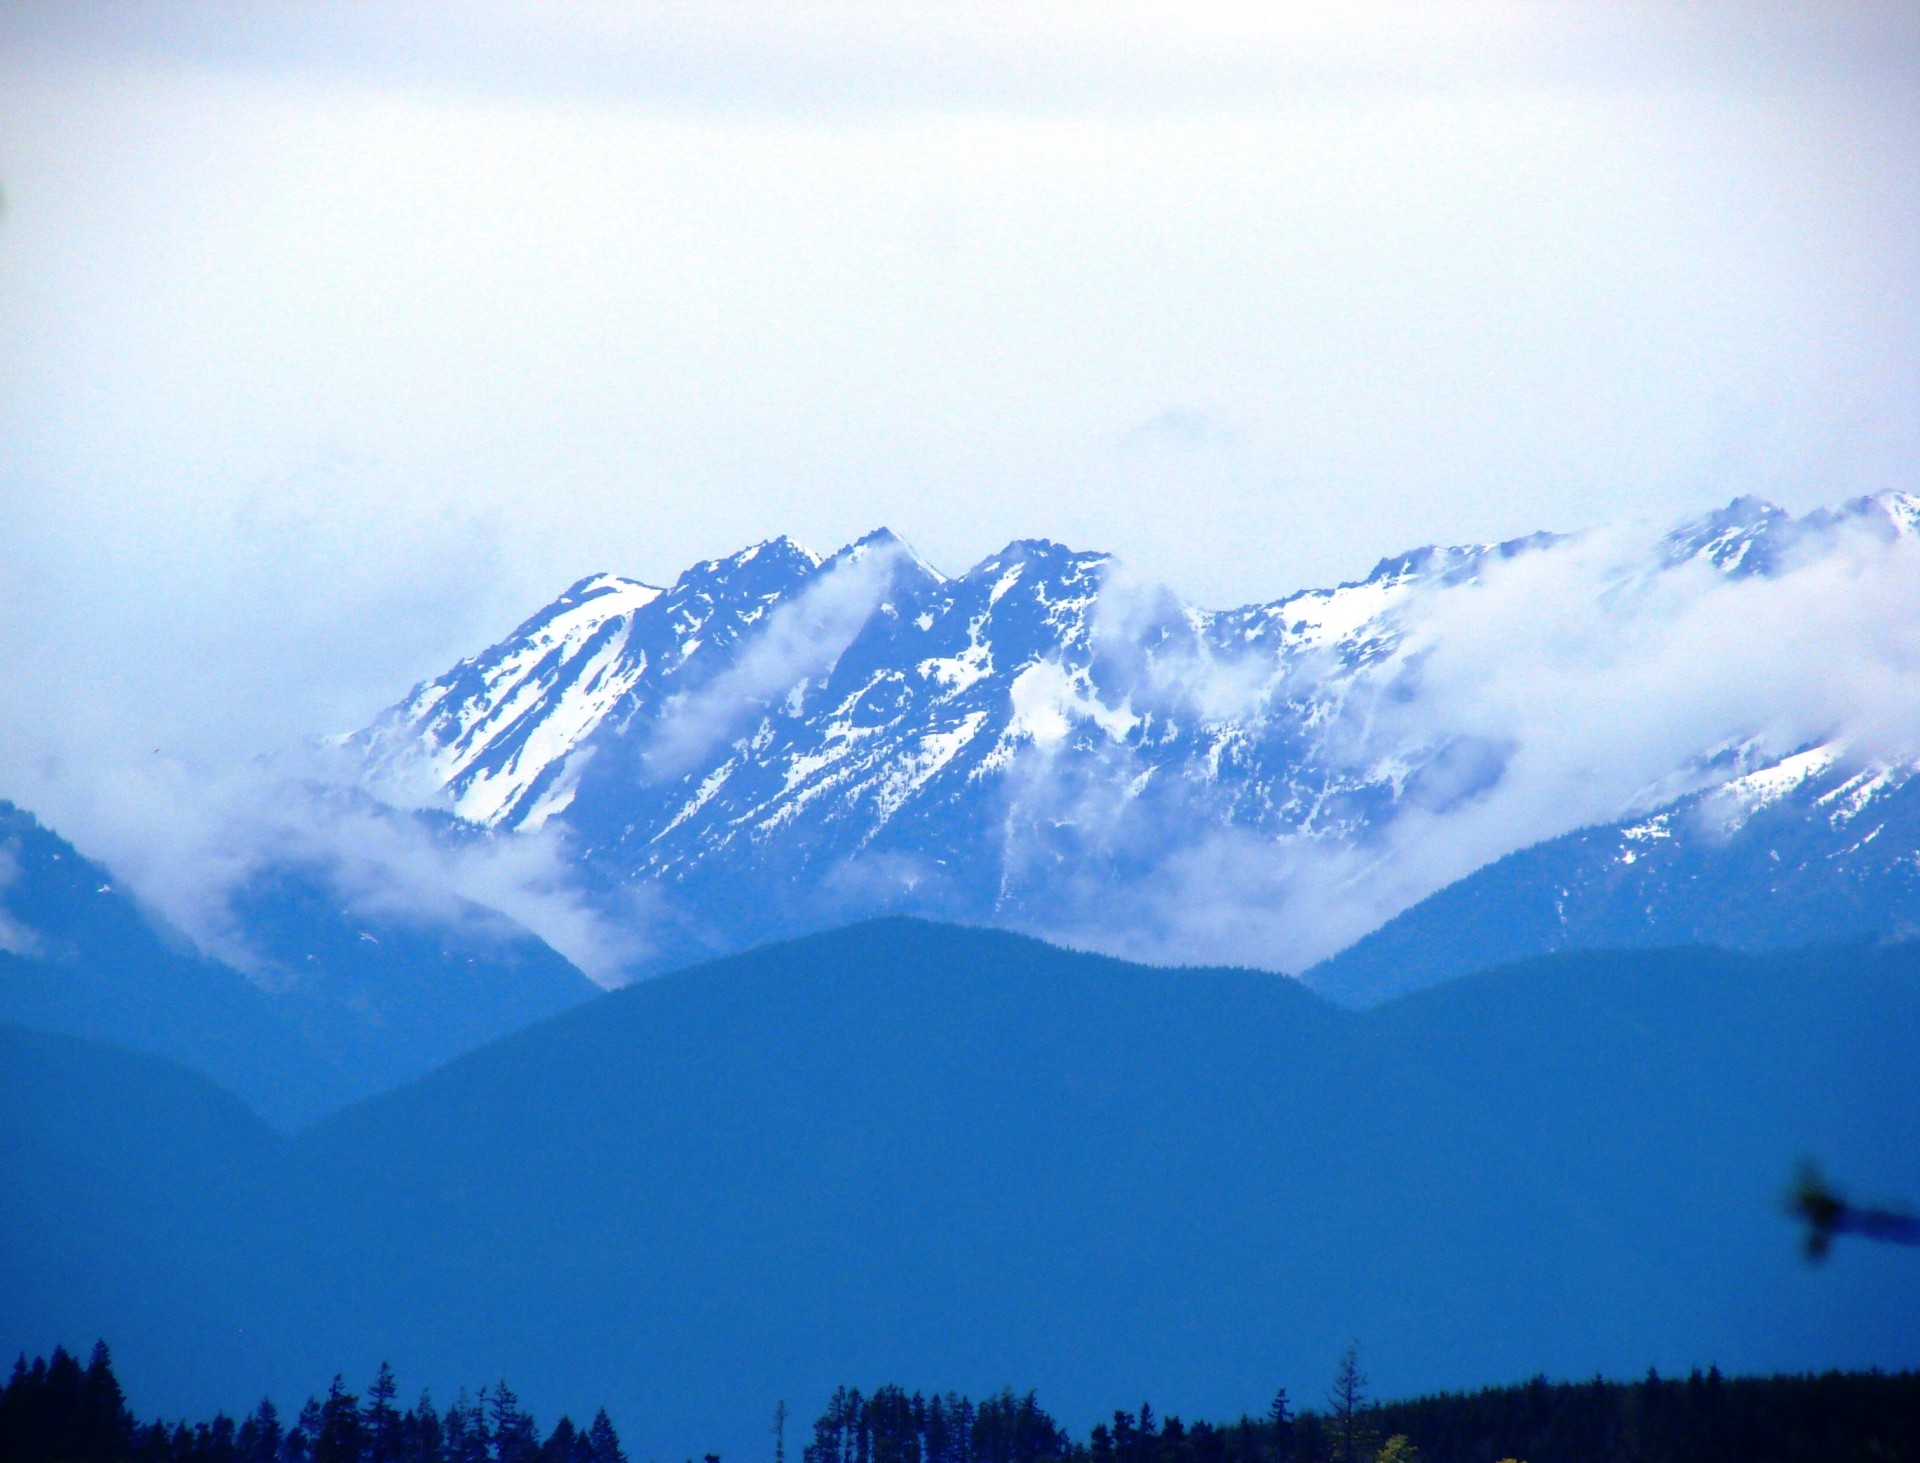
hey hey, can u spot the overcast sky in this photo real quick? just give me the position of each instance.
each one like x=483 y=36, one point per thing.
x=334 y=338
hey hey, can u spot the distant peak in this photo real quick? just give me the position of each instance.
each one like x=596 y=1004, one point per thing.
x=885 y=540
x=1900 y=510
x=778 y=554
x=781 y=547
x=1452 y=561
x=1042 y=548
x=1037 y=551
x=595 y=585
x=1749 y=508
x=1741 y=538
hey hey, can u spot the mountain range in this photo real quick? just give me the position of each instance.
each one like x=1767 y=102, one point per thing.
x=1597 y=941
x=1813 y=849
x=780 y=742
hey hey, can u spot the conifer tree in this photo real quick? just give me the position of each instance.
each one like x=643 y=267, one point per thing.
x=297 y=1446
x=464 y=1431
x=106 y=1426
x=424 y=1436
x=1100 y=1444
x=563 y=1444
x=340 y=1437
x=1347 y=1402
x=603 y=1443
x=261 y=1434
x=1280 y=1418
x=515 y=1439
x=939 y=1448
x=382 y=1419
x=215 y=1442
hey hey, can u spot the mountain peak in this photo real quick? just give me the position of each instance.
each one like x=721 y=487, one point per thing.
x=882 y=541
x=1896 y=512
x=1044 y=551
x=593 y=586
x=1749 y=509
x=775 y=554
x=1745 y=537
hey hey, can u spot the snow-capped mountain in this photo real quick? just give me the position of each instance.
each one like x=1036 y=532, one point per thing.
x=1820 y=847
x=1752 y=536
x=779 y=741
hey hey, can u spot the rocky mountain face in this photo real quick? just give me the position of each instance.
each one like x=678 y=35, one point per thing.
x=1818 y=848
x=778 y=742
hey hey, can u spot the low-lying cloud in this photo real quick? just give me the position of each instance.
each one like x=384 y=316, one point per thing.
x=802 y=637
x=164 y=671
x=1559 y=689
x=185 y=839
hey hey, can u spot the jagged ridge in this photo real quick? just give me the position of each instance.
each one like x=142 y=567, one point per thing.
x=779 y=740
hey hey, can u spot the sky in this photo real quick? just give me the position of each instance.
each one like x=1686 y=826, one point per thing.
x=335 y=339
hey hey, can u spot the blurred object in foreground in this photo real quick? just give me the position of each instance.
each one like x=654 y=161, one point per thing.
x=1827 y=1214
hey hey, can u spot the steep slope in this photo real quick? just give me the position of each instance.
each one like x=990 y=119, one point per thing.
x=78 y=956
x=969 y=1159
x=779 y=742
x=342 y=1001
x=1816 y=848
x=497 y=735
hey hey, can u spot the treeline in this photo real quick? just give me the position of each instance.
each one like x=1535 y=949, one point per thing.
x=891 y=1427
x=1840 y=1417
x=56 y=1411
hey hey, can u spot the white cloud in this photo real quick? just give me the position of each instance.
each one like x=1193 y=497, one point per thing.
x=803 y=636
x=15 y=937
x=1559 y=689
x=185 y=838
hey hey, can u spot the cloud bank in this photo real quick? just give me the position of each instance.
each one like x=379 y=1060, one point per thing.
x=1562 y=688
x=166 y=670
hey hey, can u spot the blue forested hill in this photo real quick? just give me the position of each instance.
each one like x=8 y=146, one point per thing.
x=80 y=957
x=966 y=1159
x=352 y=1001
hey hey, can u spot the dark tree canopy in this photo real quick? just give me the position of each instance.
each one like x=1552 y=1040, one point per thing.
x=54 y=1411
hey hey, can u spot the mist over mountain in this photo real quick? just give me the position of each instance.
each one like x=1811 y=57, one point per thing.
x=337 y=1000
x=1574 y=741
x=779 y=742
x=1816 y=848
